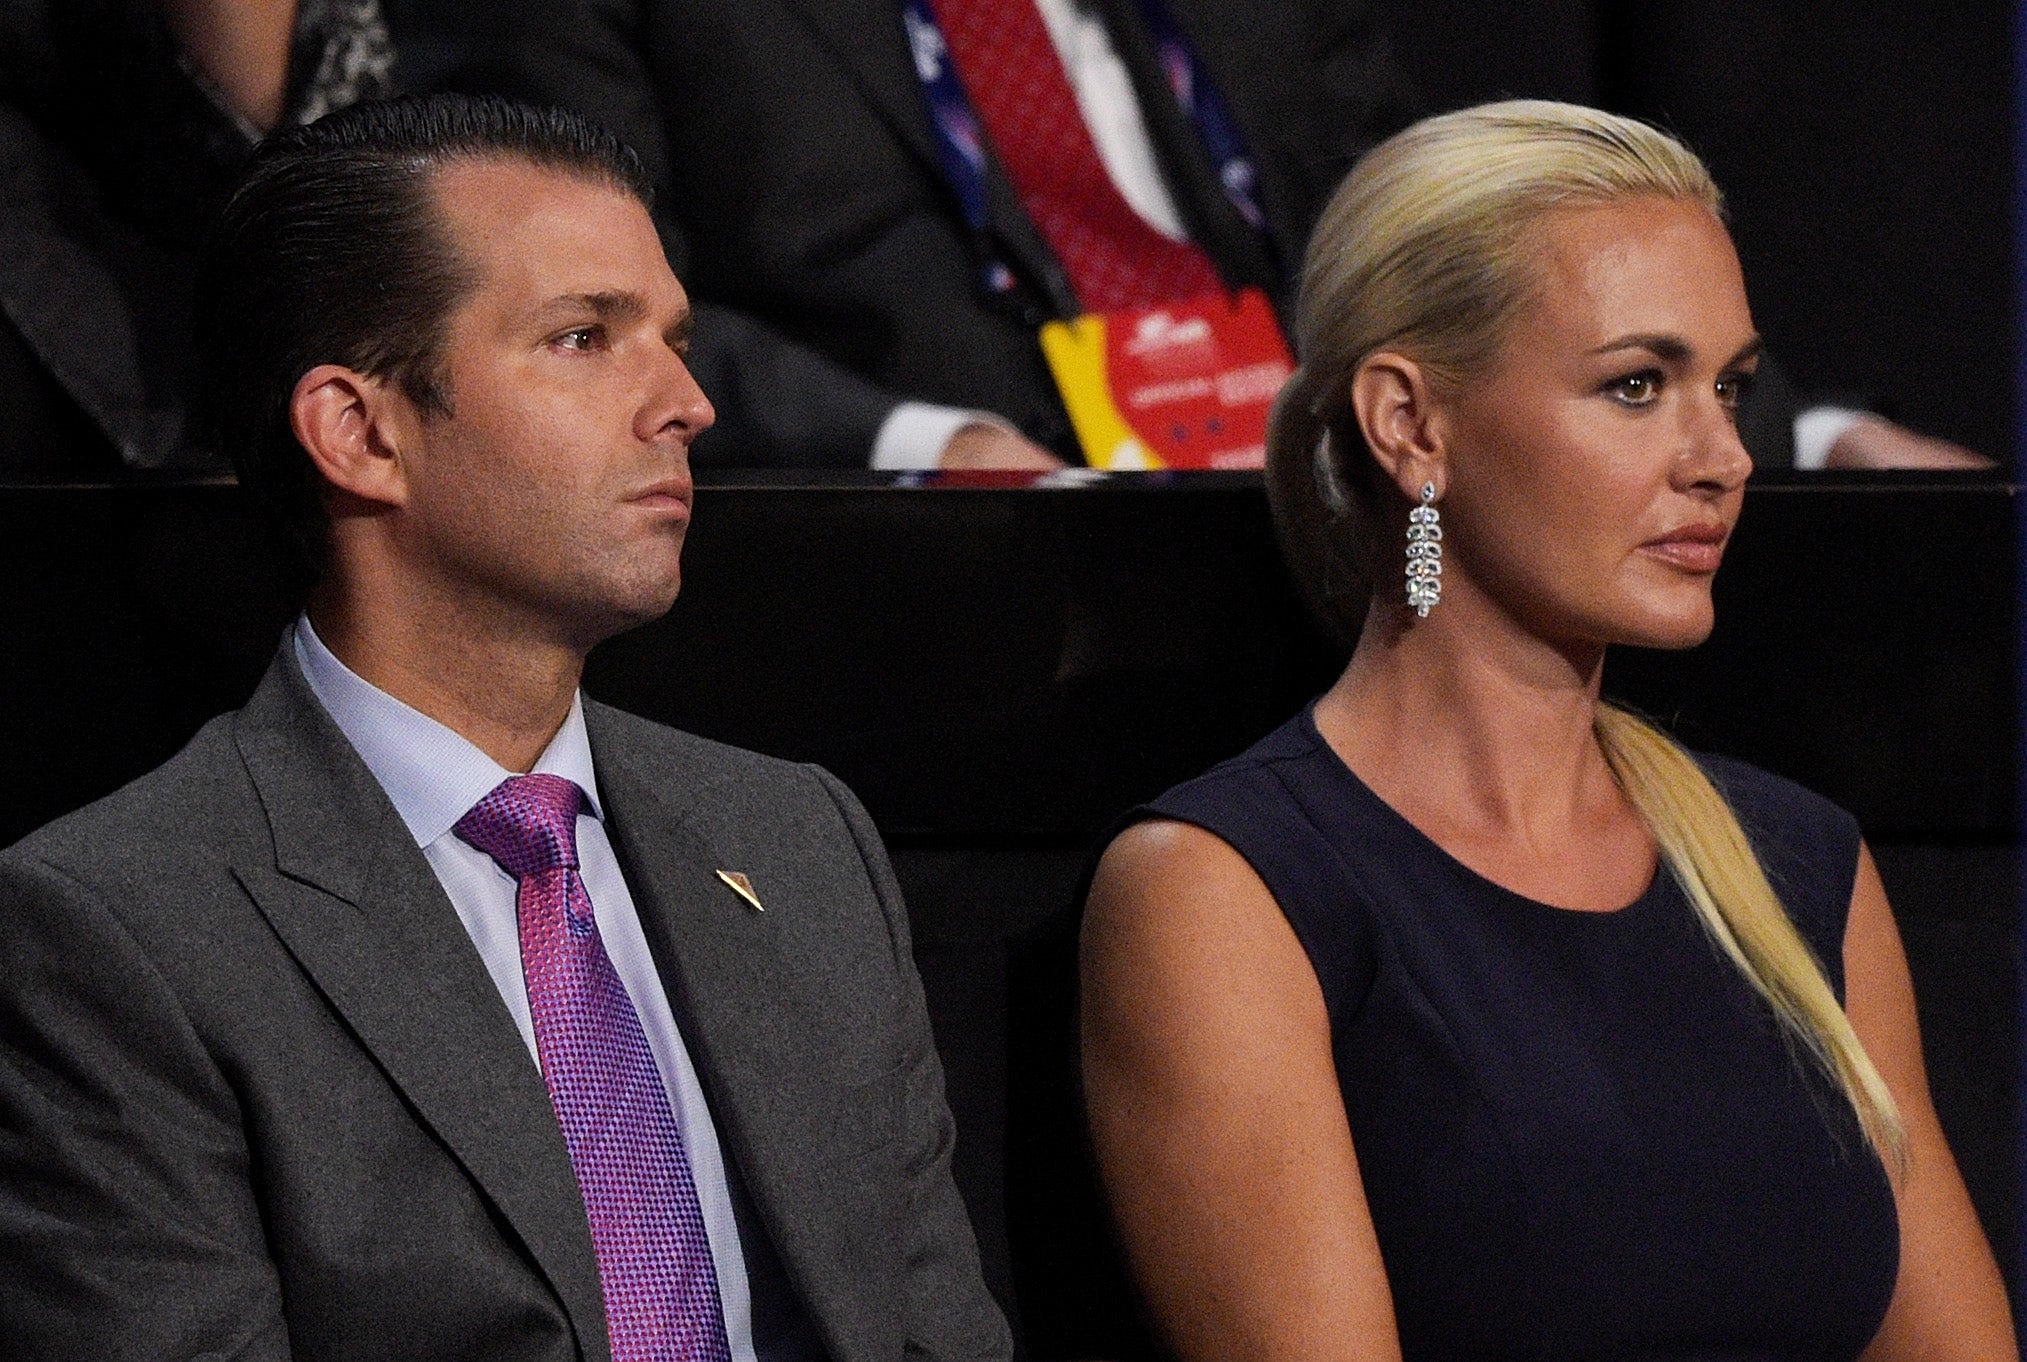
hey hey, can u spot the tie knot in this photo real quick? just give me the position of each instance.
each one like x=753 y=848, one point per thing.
x=528 y=824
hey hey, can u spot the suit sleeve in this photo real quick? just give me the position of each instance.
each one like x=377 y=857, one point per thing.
x=780 y=404
x=128 y=1224
x=950 y=1313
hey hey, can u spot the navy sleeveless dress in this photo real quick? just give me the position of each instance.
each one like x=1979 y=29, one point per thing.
x=1581 y=1134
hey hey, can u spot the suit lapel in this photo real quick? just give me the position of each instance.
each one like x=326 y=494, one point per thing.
x=69 y=308
x=1242 y=255
x=358 y=906
x=735 y=995
x=869 y=42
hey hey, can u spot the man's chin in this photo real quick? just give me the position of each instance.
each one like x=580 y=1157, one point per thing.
x=617 y=613
x=647 y=606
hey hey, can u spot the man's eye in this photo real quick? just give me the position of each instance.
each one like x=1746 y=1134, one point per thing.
x=1636 y=390
x=580 y=338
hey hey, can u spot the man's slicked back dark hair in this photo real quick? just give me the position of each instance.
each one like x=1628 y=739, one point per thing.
x=331 y=252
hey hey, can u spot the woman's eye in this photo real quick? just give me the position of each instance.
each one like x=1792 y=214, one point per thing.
x=1732 y=389
x=1636 y=390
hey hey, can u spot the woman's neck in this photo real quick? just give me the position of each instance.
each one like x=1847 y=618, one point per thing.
x=1480 y=734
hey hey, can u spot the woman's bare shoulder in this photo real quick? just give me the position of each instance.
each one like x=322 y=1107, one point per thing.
x=1177 y=865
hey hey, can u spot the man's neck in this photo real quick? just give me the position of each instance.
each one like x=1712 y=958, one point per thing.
x=502 y=691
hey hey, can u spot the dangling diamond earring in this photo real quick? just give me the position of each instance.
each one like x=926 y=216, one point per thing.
x=1425 y=554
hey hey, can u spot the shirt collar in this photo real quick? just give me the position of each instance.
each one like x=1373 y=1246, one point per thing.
x=432 y=774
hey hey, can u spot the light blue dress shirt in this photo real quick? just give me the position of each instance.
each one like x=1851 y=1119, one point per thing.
x=434 y=776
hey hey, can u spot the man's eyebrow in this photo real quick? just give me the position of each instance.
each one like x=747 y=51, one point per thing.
x=1674 y=349
x=615 y=306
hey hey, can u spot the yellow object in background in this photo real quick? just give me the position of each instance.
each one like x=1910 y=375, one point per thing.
x=1075 y=351
x=1183 y=385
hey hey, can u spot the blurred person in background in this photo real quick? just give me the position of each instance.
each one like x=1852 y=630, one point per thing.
x=913 y=189
x=122 y=125
x=855 y=311
x=813 y=176
x=121 y=121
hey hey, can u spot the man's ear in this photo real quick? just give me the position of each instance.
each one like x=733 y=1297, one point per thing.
x=355 y=429
x=1396 y=408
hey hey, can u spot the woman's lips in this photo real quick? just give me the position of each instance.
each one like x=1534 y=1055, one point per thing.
x=1694 y=548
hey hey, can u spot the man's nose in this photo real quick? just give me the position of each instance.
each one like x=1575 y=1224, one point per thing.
x=675 y=403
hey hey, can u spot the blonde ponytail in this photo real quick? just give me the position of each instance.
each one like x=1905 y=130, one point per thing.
x=1314 y=513
x=1706 y=850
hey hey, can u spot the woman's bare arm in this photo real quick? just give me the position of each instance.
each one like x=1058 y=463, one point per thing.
x=1216 y=1114
x=242 y=47
x=1949 y=1302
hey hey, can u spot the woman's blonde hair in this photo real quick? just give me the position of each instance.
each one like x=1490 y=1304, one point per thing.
x=1426 y=249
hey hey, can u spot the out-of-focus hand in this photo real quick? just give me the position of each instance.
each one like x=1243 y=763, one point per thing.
x=980 y=445
x=1875 y=442
x=242 y=47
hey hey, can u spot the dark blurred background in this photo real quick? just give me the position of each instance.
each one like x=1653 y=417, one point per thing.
x=1866 y=149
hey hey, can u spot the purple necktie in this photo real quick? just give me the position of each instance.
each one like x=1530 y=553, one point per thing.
x=647 y=1228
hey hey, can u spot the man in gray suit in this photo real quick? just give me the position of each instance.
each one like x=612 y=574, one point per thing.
x=422 y=1008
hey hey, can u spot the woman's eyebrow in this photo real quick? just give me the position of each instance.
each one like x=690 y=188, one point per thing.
x=1671 y=348
x=1674 y=349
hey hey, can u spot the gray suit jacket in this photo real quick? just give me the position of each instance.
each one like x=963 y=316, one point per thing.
x=259 y=1098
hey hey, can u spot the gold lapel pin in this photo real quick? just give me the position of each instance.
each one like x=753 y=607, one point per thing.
x=743 y=887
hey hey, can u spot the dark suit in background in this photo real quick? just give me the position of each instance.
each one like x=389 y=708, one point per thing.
x=797 y=164
x=111 y=160
x=259 y=1097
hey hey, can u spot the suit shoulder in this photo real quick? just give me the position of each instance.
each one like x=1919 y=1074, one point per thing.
x=196 y=799
x=675 y=753
x=745 y=803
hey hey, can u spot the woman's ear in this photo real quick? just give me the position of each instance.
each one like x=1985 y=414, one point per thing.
x=355 y=428
x=1396 y=409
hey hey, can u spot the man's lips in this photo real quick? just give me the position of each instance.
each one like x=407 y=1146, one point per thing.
x=1693 y=548
x=672 y=494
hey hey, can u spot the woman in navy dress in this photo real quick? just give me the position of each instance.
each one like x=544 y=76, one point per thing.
x=1466 y=1016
